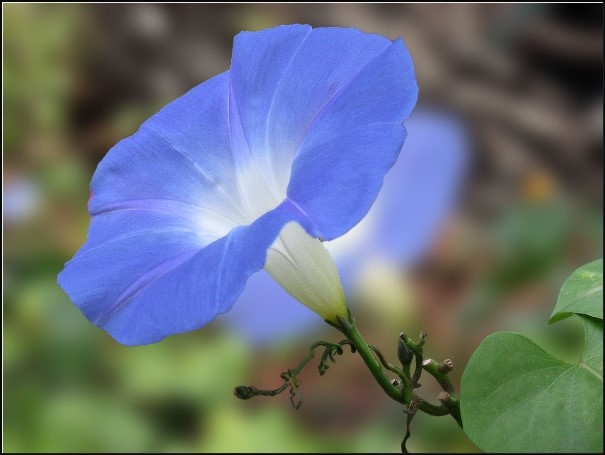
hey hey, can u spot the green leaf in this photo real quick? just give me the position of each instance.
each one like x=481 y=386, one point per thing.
x=592 y=360
x=515 y=397
x=582 y=293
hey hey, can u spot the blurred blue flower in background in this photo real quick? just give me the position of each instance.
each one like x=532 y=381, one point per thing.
x=417 y=195
x=302 y=128
x=21 y=198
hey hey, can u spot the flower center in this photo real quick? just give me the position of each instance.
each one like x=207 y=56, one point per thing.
x=258 y=190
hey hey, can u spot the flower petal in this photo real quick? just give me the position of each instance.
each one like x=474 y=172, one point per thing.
x=110 y=270
x=259 y=62
x=353 y=142
x=283 y=79
x=187 y=142
x=143 y=287
x=338 y=193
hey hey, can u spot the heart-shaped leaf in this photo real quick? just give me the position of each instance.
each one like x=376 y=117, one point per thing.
x=581 y=293
x=515 y=397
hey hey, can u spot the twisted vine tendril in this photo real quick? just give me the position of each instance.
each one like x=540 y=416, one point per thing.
x=290 y=377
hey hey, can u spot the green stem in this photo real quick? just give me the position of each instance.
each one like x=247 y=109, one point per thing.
x=386 y=364
x=440 y=372
x=348 y=328
x=452 y=404
x=433 y=409
x=404 y=394
x=432 y=368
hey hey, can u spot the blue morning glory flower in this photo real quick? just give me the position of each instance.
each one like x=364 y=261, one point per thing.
x=417 y=195
x=251 y=169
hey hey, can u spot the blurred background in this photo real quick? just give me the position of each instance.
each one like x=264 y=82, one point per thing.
x=526 y=81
